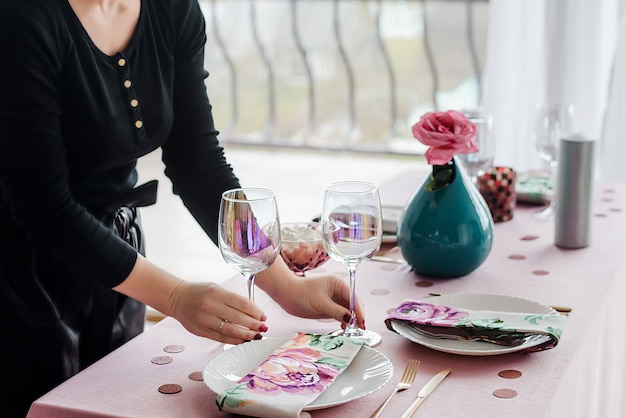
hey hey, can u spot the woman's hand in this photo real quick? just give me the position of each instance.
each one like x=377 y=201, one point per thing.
x=317 y=297
x=204 y=309
x=209 y=310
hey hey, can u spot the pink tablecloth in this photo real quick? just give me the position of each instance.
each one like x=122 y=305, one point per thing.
x=584 y=376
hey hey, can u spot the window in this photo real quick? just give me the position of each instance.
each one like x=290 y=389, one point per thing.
x=340 y=74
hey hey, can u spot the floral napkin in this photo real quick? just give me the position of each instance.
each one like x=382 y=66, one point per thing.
x=292 y=377
x=502 y=328
x=533 y=188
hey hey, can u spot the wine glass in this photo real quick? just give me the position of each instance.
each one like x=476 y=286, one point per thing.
x=477 y=163
x=249 y=231
x=302 y=247
x=551 y=123
x=352 y=226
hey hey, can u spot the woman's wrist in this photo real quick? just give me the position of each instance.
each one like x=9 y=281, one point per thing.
x=276 y=280
x=151 y=285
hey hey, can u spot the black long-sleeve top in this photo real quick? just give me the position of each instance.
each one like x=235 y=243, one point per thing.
x=73 y=122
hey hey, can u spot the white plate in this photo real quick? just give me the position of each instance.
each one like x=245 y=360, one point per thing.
x=485 y=302
x=369 y=371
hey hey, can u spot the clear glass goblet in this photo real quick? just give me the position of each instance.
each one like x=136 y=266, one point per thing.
x=302 y=247
x=249 y=231
x=551 y=123
x=352 y=226
x=477 y=163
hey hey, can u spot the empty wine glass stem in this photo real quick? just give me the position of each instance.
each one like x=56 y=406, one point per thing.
x=352 y=327
x=250 y=279
x=548 y=212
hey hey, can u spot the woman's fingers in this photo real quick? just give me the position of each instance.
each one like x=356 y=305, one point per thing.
x=233 y=332
x=211 y=311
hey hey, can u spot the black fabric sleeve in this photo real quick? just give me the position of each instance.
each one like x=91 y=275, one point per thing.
x=194 y=159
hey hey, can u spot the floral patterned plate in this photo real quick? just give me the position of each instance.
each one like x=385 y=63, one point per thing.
x=477 y=301
x=369 y=371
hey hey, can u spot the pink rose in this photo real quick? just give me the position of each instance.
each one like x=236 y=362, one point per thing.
x=447 y=134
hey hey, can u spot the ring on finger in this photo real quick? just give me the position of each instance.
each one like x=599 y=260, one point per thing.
x=219 y=328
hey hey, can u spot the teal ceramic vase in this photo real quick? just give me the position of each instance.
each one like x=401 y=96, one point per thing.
x=446 y=232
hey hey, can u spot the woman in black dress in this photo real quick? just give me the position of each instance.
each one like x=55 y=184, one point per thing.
x=86 y=88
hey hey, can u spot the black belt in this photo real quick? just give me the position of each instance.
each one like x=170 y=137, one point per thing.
x=140 y=196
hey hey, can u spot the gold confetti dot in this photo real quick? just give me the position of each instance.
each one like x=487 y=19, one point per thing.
x=529 y=237
x=540 y=272
x=510 y=374
x=197 y=376
x=161 y=360
x=517 y=257
x=423 y=283
x=504 y=393
x=174 y=348
x=388 y=267
x=170 y=388
x=379 y=292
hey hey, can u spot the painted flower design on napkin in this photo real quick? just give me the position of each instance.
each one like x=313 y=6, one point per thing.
x=502 y=328
x=430 y=314
x=305 y=365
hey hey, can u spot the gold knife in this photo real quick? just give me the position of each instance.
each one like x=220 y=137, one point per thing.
x=425 y=391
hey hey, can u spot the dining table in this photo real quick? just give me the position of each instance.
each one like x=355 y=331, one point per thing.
x=583 y=376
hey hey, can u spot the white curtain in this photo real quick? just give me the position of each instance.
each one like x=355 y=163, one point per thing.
x=560 y=51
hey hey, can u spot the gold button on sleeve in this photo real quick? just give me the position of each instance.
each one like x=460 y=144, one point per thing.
x=138 y=124
x=134 y=102
x=127 y=84
x=121 y=62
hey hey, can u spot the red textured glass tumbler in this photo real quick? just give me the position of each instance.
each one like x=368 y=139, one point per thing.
x=497 y=186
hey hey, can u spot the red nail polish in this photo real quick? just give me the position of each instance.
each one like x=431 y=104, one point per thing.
x=263 y=328
x=258 y=337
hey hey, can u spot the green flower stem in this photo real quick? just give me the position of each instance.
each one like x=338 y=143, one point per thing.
x=441 y=177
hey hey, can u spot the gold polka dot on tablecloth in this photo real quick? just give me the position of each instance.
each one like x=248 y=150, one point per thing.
x=197 y=376
x=423 y=283
x=510 y=374
x=600 y=215
x=505 y=393
x=161 y=360
x=529 y=237
x=388 y=267
x=170 y=388
x=174 y=348
x=517 y=257
x=379 y=292
x=615 y=209
x=540 y=272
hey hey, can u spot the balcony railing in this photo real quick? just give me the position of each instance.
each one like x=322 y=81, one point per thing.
x=340 y=74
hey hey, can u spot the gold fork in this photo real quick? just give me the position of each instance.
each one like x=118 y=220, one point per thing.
x=405 y=382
